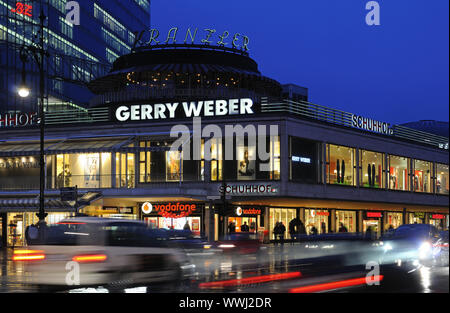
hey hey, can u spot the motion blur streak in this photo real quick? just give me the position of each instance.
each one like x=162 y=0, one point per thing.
x=28 y=255
x=250 y=280
x=334 y=285
x=89 y=258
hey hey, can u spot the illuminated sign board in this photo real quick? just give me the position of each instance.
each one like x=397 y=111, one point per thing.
x=315 y=213
x=437 y=216
x=301 y=159
x=371 y=125
x=419 y=214
x=171 y=210
x=19 y=120
x=162 y=111
x=23 y=9
x=248 y=189
x=373 y=214
x=249 y=211
x=205 y=36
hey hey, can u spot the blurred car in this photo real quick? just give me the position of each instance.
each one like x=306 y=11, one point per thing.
x=443 y=253
x=88 y=251
x=413 y=244
x=239 y=243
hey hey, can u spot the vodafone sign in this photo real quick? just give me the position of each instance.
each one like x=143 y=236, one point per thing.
x=170 y=209
x=147 y=208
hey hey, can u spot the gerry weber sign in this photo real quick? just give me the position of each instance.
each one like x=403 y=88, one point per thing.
x=162 y=111
x=371 y=125
x=205 y=36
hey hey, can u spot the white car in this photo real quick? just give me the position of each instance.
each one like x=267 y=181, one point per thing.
x=112 y=253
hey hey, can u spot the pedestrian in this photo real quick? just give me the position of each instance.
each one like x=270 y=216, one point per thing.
x=282 y=230
x=313 y=230
x=245 y=228
x=342 y=228
x=276 y=231
x=231 y=228
x=323 y=228
x=186 y=226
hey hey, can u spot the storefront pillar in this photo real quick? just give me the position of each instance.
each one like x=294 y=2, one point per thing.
x=333 y=226
x=360 y=225
x=358 y=167
x=113 y=170
x=405 y=217
x=209 y=222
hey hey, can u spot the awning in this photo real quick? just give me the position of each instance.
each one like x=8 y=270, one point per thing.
x=61 y=147
x=74 y=146
x=53 y=204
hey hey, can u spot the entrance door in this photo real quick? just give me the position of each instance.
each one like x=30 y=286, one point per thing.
x=239 y=221
x=375 y=226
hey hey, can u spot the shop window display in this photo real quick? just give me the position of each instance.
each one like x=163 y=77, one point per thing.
x=422 y=176
x=281 y=215
x=393 y=221
x=125 y=170
x=442 y=179
x=347 y=219
x=398 y=173
x=303 y=160
x=87 y=170
x=340 y=165
x=371 y=169
x=316 y=221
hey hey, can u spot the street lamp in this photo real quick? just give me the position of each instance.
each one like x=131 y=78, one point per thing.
x=38 y=53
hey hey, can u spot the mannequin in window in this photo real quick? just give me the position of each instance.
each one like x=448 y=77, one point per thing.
x=338 y=171
x=244 y=166
x=369 y=172
x=373 y=175
x=343 y=171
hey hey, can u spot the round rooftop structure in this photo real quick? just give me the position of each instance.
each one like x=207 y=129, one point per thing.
x=182 y=72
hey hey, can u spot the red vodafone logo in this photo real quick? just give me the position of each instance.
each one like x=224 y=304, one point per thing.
x=172 y=210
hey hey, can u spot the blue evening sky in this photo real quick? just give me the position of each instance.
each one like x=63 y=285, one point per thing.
x=396 y=72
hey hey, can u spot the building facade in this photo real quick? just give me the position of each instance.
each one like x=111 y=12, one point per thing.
x=288 y=158
x=77 y=53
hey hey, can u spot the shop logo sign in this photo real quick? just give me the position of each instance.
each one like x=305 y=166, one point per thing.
x=371 y=125
x=152 y=36
x=147 y=208
x=172 y=210
x=239 y=211
x=248 y=189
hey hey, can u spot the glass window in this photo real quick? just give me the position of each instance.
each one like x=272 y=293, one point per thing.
x=340 y=165
x=281 y=215
x=422 y=176
x=442 y=179
x=398 y=173
x=246 y=161
x=303 y=160
x=346 y=219
x=371 y=169
x=275 y=155
x=393 y=220
x=316 y=221
x=216 y=159
x=125 y=170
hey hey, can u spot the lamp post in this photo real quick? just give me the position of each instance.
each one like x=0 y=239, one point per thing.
x=38 y=53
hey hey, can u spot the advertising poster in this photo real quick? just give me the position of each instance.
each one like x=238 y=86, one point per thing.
x=246 y=169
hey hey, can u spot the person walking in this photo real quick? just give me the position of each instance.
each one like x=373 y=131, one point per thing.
x=342 y=228
x=276 y=231
x=186 y=226
x=245 y=228
x=282 y=230
x=231 y=228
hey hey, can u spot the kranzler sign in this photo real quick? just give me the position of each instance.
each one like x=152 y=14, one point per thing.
x=205 y=36
x=164 y=111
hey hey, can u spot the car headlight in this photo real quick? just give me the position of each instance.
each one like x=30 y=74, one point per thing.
x=424 y=250
x=387 y=247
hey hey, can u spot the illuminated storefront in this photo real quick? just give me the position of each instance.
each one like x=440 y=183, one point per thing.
x=399 y=172
x=438 y=221
x=283 y=216
x=373 y=222
x=422 y=176
x=347 y=219
x=392 y=220
x=245 y=215
x=318 y=219
x=416 y=218
x=371 y=169
x=340 y=165
x=442 y=179
x=174 y=215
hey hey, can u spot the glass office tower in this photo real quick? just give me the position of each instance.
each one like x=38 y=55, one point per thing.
x=77 y=53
